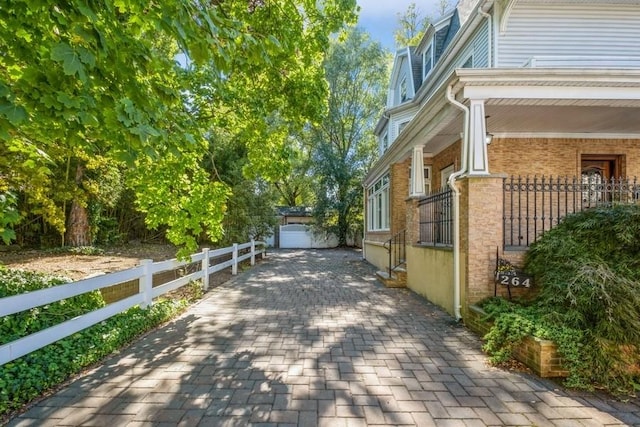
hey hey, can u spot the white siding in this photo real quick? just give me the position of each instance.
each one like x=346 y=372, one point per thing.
x=477 y=46
x=403 y=74
x=604 y=32
x=397 y=119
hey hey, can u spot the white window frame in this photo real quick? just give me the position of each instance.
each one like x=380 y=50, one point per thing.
x=403 y=89
x=468 y=62
x=378 y=205
x=427 y=180
x=425 y=71
x=384 y=142
x=401 y=126
x=445 y=173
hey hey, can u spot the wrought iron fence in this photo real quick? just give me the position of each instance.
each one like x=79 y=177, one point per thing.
x=436 y=218
x=533 y=205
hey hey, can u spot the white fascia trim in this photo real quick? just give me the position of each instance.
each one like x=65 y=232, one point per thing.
x=444 y=20
x=550 y=92
x=560 y=135
x=556 y=76
x=382 y=124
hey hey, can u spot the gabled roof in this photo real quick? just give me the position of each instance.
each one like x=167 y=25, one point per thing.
x=446 y=35
x=416 y=69
x=294 y=211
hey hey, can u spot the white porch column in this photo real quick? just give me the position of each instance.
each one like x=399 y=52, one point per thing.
x=477 y=150
x=417 y=172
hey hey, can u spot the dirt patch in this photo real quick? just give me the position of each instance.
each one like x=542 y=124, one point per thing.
x=77 y=267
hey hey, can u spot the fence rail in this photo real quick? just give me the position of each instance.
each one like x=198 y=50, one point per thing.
x=143 y=273
x=533 y=205
x=436 y=218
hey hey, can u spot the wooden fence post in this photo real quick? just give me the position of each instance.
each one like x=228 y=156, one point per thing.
x=253 y=252
x=146 y=283
x=234 y=267
x=205 y=269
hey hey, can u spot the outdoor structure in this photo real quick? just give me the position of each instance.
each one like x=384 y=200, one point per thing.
x=294 y=214
x=295 y=230
x=507 y=116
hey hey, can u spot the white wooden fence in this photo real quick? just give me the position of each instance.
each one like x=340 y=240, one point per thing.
x=144 y=298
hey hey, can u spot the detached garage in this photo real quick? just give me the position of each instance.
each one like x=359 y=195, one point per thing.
x=300 y=236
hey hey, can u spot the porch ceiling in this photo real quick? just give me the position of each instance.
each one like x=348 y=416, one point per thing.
x=520 y=118
x=505 y=117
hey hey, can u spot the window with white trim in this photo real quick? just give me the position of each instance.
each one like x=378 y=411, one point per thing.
x=384 y=142
x=427 y=62
x=445 y=173
x=378 y=205
x=402 y=125
x=427 y=180
x=403 y=90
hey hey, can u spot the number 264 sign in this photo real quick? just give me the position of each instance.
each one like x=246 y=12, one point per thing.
x=514 y=279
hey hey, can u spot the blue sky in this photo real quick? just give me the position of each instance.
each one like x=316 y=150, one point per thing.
x=379 y=17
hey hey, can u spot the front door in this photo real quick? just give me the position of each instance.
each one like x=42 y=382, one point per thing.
x=597 y=171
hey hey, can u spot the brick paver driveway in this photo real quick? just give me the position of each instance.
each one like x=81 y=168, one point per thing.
x=311 y=338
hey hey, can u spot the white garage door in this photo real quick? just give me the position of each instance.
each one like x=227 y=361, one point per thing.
x=295 y=236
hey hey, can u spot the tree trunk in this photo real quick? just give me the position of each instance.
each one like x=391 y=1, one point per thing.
x=78 y=228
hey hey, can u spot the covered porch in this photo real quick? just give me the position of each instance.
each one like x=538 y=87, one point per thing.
x=528 y=146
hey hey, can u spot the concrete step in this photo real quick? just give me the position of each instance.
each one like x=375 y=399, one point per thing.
x=393 y=280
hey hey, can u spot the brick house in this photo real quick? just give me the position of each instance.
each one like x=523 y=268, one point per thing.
x=508 y=115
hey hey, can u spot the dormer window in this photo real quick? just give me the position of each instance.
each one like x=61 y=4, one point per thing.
x=403 y=90
x=384 y=145
x=427 y=62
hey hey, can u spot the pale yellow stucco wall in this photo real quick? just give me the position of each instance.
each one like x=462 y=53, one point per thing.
x=430 y=274
x=376 y=254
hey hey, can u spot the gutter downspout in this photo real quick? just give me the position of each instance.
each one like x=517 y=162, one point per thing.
x=490 y=35
x=456 y=202
x=364 y=221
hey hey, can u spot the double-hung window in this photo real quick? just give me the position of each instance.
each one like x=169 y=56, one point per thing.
x=378 y=205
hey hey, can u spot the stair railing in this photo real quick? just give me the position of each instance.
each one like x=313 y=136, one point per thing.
x=396 y=247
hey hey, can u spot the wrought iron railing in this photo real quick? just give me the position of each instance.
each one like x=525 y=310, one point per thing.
x=436 y=218
x=533 y=205
x=396 y=247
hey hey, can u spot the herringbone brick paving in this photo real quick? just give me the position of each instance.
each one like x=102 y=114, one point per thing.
x=310 y=338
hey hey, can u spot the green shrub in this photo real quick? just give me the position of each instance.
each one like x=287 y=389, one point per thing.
x=587 y=270
x=30 y=376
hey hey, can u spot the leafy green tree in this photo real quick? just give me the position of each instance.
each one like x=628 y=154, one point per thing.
x=411 y=26
x=86 y=79
x=297 y=187
x=413 y=23
x=250 y=208
x=344 y=146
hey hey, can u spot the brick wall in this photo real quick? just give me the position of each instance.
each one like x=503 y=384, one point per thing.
x=448 y=156
x=558 y=157
x=481 y=233
x=399 y=192
x=539 y=355
x=413 y=221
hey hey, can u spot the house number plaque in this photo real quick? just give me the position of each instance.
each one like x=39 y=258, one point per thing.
x=514 y=279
